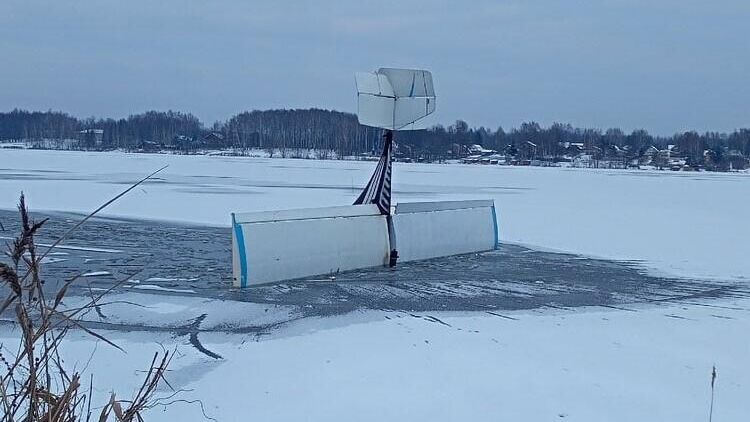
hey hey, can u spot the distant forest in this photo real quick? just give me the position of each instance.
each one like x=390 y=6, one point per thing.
x=341 y=134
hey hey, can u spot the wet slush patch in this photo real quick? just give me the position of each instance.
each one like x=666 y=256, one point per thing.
x=175 y=259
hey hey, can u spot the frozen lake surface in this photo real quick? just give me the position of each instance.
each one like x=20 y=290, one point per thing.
x=678 y=223
x=611 y=298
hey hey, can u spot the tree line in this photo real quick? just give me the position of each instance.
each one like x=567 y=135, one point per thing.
x=161 y=127
x=340 y=132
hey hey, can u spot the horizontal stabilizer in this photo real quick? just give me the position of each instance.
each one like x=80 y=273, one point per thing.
x=395 y=99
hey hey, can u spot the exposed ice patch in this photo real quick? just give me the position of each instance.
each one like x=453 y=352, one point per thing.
x=162 y=279
x=96 y=273
x=84 y=248
x=69 y=247
x=162 y=289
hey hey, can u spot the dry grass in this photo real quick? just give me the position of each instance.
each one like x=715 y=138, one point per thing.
x=35 y=383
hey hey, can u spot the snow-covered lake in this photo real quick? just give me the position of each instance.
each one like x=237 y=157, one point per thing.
x=649 y=362
x=684 y=224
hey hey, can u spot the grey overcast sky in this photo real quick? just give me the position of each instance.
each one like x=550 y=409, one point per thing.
x=660 y=65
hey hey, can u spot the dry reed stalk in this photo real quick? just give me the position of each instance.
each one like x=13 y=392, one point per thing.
x=35 y=385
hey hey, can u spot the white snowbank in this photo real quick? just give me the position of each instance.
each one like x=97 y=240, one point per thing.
x=589 y=365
